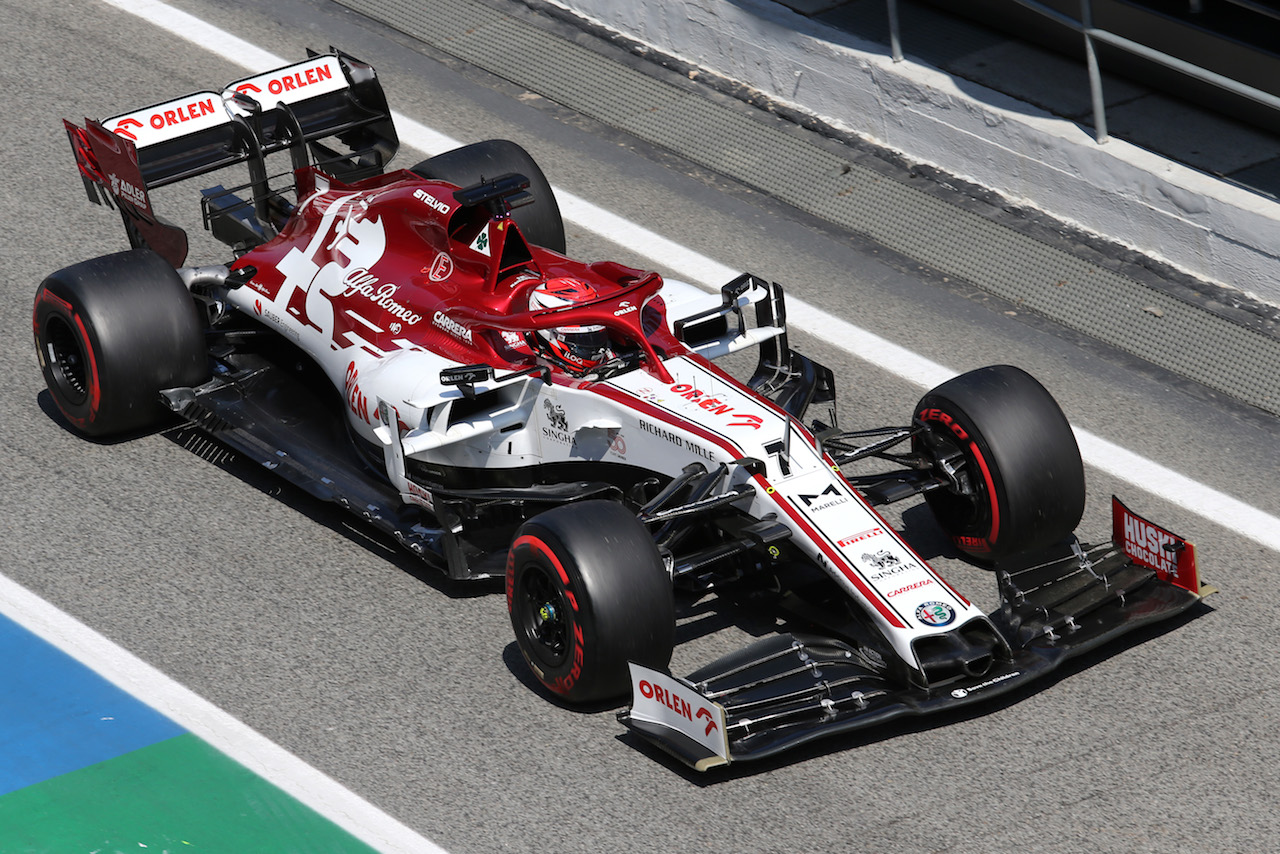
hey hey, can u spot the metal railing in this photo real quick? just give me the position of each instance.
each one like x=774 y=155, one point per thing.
x=1093 y=35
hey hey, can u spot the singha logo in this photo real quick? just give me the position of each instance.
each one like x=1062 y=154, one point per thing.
x=882 y=559
x=555 y=415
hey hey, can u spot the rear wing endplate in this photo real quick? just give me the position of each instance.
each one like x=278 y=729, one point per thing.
x=328 y=110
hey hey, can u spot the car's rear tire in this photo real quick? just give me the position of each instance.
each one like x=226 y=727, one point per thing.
x=1024 y=479
x=112 y=332
x=587 y=592
x=540 y=222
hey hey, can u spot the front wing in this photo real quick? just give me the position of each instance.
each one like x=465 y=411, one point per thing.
x=790 y=689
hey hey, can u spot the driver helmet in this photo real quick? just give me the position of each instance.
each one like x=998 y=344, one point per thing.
x=579 y=347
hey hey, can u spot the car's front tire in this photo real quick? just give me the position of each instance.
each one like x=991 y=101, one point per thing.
x=588 y=592
x=1016 y=457
x=112 y=332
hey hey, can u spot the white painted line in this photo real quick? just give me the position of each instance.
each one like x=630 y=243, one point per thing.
x=202 y=34
x=261 y=756
x=1204 y=501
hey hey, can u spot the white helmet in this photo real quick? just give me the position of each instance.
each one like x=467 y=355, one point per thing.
x=579 y=347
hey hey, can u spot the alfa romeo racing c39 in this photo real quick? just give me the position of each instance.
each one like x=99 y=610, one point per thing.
x=416 y=346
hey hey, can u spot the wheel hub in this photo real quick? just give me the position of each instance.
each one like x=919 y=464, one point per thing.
x=544 y=622
x=67 y=362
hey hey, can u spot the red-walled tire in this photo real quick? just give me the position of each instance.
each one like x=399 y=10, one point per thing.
x=1017 y=458
x=110 y=334
x=540 y=222
x=587 y=592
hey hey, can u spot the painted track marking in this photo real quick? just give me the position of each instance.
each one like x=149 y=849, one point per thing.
x=184 y=707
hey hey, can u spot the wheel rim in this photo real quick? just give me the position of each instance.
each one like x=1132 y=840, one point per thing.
x=65 y=355
x=543 y=617
x=966 y=510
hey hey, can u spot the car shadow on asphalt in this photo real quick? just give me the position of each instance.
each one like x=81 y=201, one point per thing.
x=335 y=518
x=44 y=400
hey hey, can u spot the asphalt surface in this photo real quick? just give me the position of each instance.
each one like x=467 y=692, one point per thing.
x=409 y=690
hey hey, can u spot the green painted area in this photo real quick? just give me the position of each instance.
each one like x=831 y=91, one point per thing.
x=178 y=796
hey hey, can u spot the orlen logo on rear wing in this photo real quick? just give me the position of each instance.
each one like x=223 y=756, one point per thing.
x=291 y=84
x=201 y=111
x=180 y=117
x=331 y=96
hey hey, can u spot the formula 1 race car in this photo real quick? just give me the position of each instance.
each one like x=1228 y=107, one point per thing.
x=415 y=346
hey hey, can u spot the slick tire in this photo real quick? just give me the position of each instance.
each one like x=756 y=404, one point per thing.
x=539 y=222
x=111 y=333
x=1016 y=456
x=587 y=592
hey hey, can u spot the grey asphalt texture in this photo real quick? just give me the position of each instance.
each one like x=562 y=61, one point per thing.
x=408 y=689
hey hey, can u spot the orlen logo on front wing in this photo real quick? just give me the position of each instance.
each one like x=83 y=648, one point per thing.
x=678 y=704
x=659 y=698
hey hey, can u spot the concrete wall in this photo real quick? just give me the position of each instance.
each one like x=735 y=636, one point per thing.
x=1207 y=227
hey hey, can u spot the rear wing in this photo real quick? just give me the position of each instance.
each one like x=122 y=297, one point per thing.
x=328 y=110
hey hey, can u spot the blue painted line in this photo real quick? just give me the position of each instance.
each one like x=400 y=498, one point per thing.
x=58 y=716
